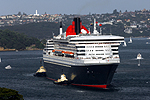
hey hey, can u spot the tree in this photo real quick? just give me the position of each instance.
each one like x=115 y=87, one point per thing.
x=115 y=12
x=14 y=40
x=19 y=13
x=9 y=94
x=24 y=13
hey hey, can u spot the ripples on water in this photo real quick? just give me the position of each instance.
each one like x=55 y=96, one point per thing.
x=130 y=81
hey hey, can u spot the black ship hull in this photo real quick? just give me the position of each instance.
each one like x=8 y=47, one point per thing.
x=99 y=76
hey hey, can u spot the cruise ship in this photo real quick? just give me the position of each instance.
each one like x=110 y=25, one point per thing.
x=85 y=58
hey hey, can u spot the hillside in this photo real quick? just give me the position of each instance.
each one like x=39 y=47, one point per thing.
x=45 y=30
x=17 y=41
x=37 y=30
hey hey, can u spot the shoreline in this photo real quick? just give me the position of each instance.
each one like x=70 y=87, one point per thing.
x=19 y=50
x=30 y=49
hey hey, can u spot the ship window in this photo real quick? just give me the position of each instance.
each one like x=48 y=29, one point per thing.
x=80 y=50
x=114 y=49
x=98 y=46
x=107 y=49
x=80 y=46
x=91 y=54
x=50 y=49
x=88 y=46
x=49 y=43
x=99 y=50
x=114 y=45
x=81 y=54
x=100 y=54
x=50 y=46
x=115 y=53
x=107 y=53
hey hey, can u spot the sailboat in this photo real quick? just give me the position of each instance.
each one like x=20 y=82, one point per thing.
x=130 y=40
x=124 y=44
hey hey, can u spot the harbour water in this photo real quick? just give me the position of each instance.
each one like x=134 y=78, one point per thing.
x=130 y=82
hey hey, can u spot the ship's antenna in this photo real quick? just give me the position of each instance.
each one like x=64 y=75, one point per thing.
x=53 y=34
x=89 y=31
x=100 y=30
x=95 y=31
x=60 y=27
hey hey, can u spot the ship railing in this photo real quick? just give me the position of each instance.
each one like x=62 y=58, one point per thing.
x=84 y=61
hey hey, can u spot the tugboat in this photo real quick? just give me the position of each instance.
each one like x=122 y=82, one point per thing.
x=41 y=72
x=62 y=81
x=139 y=56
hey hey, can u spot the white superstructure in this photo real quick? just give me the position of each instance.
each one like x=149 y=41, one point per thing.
x=83 y=49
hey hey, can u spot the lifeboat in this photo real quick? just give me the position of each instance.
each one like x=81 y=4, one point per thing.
x=69 y=53
x=58 y=52
x=53 y=50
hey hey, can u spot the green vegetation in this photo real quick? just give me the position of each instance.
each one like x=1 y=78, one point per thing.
x=19 y=41
x=9 y=94
x=38 y=30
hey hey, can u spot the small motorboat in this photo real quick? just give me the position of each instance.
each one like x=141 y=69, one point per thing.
x=62 y=81
x=41 y=72
x=8 y=67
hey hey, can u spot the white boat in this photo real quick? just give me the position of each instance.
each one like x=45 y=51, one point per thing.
x=147 y=43
x=124 y=44
x=148 y=38
x=139 y=56
x=128 y=30
x=8 y=67
x=130 y=40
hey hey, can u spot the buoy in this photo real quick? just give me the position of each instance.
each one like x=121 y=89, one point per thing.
x=139 y=57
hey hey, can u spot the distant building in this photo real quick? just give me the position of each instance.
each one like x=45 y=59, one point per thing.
x=36 y=14
x=128 y=30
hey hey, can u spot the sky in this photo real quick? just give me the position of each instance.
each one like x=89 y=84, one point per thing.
x=82 y=7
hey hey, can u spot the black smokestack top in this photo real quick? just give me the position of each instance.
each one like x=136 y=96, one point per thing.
x=61 y=24
x=77 y=25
